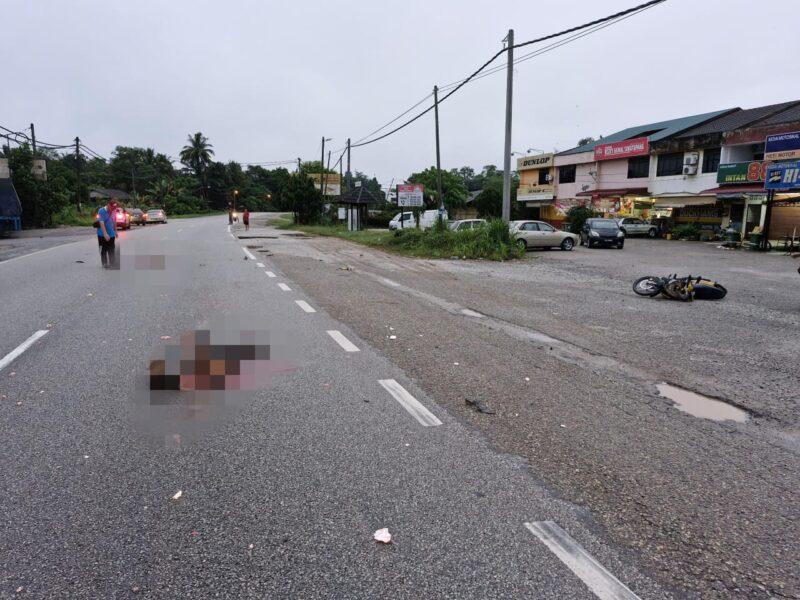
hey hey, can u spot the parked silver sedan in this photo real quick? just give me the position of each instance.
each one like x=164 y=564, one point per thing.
x=538 y=234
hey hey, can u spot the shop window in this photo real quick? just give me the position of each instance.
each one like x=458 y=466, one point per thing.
x=638 y=167
x=544 y=178
x=670 y=164
x=711 y=160
x=566 y=174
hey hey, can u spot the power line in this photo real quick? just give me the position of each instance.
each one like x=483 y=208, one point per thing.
x=466 y=80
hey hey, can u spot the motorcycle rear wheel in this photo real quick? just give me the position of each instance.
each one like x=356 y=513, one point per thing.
x=648 y=286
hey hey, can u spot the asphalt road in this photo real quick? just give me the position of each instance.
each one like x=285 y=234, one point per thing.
x=569 y=359
x=281 y=487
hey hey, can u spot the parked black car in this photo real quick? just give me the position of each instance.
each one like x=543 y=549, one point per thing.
x=602 y=232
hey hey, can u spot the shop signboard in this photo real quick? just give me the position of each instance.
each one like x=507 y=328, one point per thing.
x=410 y=194
x=333 y=184
x=782 y=146
x=783 y=176
x=537 y=161
x=535 y=193
x=623 y=149
x=742 y=172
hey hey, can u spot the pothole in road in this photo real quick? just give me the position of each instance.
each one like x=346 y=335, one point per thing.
x=701 y=406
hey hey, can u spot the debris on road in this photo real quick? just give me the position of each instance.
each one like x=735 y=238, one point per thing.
x=346 y=268
x=392 y=337
x=166 y=337
x=135 y=589
x=177 y=495
x=79 y=261
x=480 y=406
x=383 y=535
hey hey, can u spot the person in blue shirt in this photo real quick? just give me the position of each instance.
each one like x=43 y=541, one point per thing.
x=107 y=234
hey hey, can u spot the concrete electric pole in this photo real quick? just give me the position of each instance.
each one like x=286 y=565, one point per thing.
x=507 y=149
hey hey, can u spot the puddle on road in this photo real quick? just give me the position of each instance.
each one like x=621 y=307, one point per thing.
x=701 y=406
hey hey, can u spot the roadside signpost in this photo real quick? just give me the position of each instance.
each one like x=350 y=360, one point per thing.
x=410 y=194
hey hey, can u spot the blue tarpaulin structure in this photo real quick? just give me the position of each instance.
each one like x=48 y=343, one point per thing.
x=10 y=206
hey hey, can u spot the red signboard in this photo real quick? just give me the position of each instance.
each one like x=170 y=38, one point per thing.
x=623 y=149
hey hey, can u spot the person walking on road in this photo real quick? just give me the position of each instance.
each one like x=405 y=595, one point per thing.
x=107 y=234
x=246 y=219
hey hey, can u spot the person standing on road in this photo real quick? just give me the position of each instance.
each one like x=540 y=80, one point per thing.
x=107 y=234
x=246 y=219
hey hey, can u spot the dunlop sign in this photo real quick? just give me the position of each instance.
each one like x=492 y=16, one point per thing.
x=539 y=161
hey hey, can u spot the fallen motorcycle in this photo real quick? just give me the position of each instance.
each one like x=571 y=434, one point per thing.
x=684 y=289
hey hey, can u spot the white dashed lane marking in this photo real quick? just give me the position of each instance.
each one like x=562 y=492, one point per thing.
x=596 y=577
x=248 y=254
x=9 y=358
x=260 y=265
x=305 y=306
x=270 y=274
x=411 y=404
x=284 y=287
x=340 y=339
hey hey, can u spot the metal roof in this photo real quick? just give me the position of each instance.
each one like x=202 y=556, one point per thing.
x=10 y=205
x=664 y=129
x=786 y=116
x=741 y=118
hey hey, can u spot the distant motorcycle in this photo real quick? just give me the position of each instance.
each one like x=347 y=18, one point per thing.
x=684 y=289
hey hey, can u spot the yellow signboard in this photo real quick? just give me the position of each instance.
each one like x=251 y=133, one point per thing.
x=537 y=161
x=332 y=181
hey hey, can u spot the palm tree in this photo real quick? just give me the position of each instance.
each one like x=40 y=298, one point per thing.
x=197 y=156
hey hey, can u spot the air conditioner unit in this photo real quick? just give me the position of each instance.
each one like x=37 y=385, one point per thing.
x=691 y=159
x=548 y=177
x=690 y=169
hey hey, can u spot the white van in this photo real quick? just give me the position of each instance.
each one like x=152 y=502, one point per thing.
x=429 y=218
x=401 y=221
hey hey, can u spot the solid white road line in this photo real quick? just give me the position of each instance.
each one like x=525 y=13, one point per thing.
x=305 y=306
x=8 y=358
x=390 y=282
x=346 y=344
x=260 y=265
x=471 y=313
x=411 y=404
x=248 y=254
x=8 y=260
x=179 y=230
x=284 y=287
x=270 y=274
x=596 y=577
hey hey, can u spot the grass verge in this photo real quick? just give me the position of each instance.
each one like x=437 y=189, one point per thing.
x=195 y=215
x=492 y=242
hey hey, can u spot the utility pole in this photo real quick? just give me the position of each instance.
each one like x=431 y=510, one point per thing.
x=33 y=140
x=133 y=182
x=507 y=149
x=78 y=172
x=322 y=166
x=341 y=180
x=438 y=157
x=325 y=176
x=348 y=162
x=298 y=165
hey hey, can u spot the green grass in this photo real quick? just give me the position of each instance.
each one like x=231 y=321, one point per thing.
x=491 y=242
x=70 y=216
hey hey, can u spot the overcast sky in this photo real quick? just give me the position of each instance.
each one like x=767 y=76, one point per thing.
x=264 y=80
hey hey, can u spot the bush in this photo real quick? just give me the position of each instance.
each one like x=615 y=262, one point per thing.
x=382 y=218
x=492 y=241
x=687 y=231
x=577 y=215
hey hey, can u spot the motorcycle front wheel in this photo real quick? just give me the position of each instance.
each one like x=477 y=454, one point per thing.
x=648 y=286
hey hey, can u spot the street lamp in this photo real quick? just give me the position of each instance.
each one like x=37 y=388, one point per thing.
x=235 y=193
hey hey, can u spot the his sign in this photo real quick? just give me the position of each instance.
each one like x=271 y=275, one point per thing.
x=623 y=149
x=783 y=176
x=410 y=194
x=782 y=146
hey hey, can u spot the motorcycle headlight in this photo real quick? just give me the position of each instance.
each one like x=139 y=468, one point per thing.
x=594 y=234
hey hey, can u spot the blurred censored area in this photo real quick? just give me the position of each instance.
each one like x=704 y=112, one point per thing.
x=198 y=381
x=156 y=266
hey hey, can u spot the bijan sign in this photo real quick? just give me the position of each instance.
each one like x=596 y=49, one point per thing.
x=623 y=149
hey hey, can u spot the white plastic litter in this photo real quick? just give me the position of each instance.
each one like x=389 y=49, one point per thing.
x=177 y=495
x=392 y=337
x=383 y=535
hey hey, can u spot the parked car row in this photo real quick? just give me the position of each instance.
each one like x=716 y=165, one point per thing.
x=125 y=217
x=538 y=234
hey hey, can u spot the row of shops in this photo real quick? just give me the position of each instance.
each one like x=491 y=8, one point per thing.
x=710 y=170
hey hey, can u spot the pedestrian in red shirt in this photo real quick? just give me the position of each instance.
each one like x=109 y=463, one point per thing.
x=246 y=219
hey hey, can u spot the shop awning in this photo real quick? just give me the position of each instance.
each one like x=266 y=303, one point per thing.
x=682 y=202
x=614 y=192
x=736 y=190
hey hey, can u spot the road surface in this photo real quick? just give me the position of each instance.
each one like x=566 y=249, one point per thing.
x=279 y=493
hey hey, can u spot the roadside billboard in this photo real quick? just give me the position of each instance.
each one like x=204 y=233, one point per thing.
x=623 y=149
x=535 y=193
x=537 y=161
x=333 y=184
x=783 y=176
x=410 y=194
x=742 y=172
x=782 y=146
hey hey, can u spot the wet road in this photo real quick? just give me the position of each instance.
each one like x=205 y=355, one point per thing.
x=570 y=362
x=278 y=495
